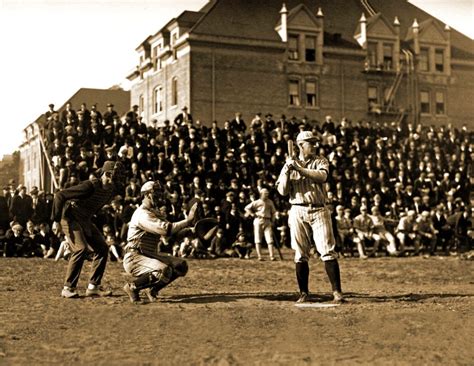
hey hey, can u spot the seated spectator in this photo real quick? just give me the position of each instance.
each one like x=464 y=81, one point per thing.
x=218 y=245
x=364 y=233
x=242 y=247
x=426 y=234
x=405 y=232
x=112 y=242
x=381 y=233
x=45 y=241
x=14 y=242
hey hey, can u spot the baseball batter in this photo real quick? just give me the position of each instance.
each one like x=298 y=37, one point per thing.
x=303 y=180
x=152 y=270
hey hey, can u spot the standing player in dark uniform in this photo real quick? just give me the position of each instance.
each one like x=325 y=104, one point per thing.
x=308 y=217
x=74 y=208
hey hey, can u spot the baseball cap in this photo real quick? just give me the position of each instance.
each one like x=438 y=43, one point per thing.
x=306 y=136
x=149 y=187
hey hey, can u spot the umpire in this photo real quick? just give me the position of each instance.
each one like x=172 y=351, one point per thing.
x=303 y=180
x=74 y=208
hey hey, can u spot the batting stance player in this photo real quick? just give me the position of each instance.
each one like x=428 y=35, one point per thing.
x=303 y=180
x=74 y=208
x=152 y=270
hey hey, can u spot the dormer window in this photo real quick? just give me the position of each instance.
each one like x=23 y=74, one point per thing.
x=424 y=60
x=310 y=48
x=293 y=54
x=439 y=60
x=372 y=54
x=387 y=56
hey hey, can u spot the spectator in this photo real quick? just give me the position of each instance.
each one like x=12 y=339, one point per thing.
x=426 y=234
x=242 y=247
x=344 y=230
x=381 y=234
x=406 y=233
x=183 y=118
x=364 y=233
x=21 y=208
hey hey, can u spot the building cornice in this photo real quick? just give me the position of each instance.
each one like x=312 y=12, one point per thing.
x=234 y=41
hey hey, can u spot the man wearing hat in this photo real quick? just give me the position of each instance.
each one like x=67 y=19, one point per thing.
x=75 y=208
x=109 y=115
x=183 y=118
x=152 y=271
x=303 y=180
x=21 y=208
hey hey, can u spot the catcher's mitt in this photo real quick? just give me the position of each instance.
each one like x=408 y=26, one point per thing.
x=205 y=229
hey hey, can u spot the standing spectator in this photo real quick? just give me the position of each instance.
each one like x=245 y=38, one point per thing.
x=4 y=211
x=183 y=118
x=263 y=211
x=238 y=124
x=21 y=208
x=109 y=115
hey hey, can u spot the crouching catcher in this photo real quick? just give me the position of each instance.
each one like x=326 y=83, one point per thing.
x=152 y=271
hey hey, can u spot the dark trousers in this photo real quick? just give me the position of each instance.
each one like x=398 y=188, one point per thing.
x=85 y=239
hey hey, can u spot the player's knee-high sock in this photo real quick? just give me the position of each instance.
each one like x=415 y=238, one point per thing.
x=302 y=276
x=270 y=250
x=258 y=249
x=332 y=270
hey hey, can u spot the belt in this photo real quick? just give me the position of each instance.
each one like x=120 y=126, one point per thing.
x=310 y=205
x=132 y=250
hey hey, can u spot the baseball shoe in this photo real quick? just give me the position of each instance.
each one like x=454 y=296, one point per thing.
x=69 y=293
x=261 y=259
x=303 y=298
x=152 y=294
x=132 y=293
x=338 y=297
x=98 y=291
x=272 y=259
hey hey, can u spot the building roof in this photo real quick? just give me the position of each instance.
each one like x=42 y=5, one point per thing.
x=256 y=20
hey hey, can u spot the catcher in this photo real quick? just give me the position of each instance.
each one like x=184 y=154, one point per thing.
x=152 y=270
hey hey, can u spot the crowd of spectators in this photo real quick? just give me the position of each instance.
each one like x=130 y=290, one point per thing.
x=415 y=181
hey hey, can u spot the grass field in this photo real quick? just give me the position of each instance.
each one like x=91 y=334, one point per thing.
x=242 y=312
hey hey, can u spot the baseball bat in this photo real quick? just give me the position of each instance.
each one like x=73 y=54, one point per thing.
x=291 y=149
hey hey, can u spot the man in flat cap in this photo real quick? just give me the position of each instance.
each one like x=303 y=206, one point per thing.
x=74 y=209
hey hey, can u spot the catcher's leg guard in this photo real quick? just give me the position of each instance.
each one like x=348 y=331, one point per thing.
x=155 y=278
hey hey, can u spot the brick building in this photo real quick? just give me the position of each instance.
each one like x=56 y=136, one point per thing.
x=364 y=59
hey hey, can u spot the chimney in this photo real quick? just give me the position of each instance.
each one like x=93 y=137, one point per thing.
x=396 y=48
x=283 y=32
x=320 y=37
x=416 y=41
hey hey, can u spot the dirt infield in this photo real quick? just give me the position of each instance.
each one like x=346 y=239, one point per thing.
x=241 y=312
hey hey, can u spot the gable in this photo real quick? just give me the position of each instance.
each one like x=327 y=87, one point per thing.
x=378 y=26
x=301 y=17
x=432 y=34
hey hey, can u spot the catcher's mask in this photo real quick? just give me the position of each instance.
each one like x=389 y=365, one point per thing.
x=115 y=169
x=156 y=190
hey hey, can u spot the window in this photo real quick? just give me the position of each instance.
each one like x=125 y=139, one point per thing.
x=141 y=103
x=311 y=93
x=155 y=57
x=425 y=107
x=372 y=54
x=310 y=48
x=372 y=95
x=439 y=60
x=387 y=56
x=158 y=100
x=440 y=104
x=293 y=48
x=294 y=91
x=174 y=91
x=424 y=64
